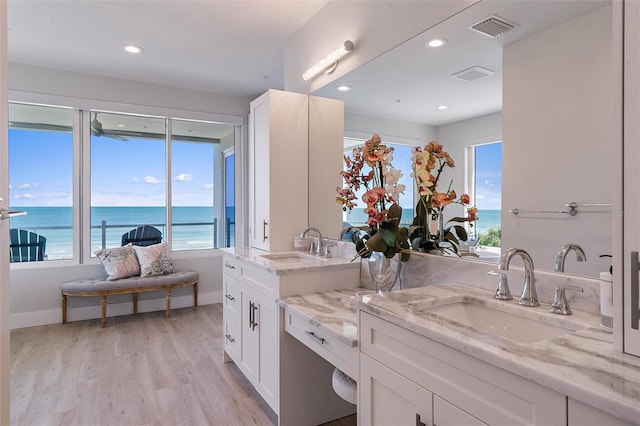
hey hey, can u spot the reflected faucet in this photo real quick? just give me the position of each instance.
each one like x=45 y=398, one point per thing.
x=529 y=296
x=320 y=248
x=562 y=255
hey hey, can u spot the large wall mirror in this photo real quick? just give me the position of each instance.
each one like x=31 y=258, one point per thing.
x=544 y=89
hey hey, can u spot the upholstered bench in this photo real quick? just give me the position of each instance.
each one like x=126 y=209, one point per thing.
x=131 y=285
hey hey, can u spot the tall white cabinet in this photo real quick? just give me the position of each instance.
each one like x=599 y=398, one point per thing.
x=630 y=315
x=278 y=169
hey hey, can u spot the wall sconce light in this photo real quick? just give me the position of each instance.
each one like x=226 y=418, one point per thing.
x=330 y=62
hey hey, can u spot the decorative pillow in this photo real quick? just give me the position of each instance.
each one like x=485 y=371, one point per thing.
x=154 y=260
x=119 y=262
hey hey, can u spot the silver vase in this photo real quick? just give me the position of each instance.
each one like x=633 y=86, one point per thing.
x=384 y=271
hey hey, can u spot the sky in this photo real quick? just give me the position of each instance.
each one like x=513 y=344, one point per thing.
x=123 y=173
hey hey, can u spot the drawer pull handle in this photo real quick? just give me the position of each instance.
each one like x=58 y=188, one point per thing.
x=312 y=334
x=230 y=297
x=229 y=265
x=229 y=338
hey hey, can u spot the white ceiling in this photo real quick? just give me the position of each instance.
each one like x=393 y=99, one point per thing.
x=410 y=81
x=236 y=48
x=228 y=47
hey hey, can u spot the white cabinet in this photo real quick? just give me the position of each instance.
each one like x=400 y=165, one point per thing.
x=259 y=334
x=584 y=415
x=278 y=169
x=387 y=398
x=250 y=317
x=464 y=389
x=628 y=318
x=281 y=371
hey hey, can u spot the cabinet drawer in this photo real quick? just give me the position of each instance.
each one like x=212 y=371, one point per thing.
x=231 y=295
x=488 y=393
x=231 y=266
x=232 y=338
x=324 y=343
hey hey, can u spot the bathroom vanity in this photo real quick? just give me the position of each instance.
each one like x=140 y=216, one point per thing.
x=292 y=380
x=423 y=360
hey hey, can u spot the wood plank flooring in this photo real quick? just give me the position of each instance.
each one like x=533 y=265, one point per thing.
x=139 y=370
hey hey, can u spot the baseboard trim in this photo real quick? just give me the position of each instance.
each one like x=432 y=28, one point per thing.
x=54 y=316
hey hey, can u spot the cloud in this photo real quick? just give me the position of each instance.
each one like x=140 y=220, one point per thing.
x=33 y=185
x=135 y=180
x=489 y=183
x=152 y=180
x=184 y=177
x=208 y=186
x=26 y=196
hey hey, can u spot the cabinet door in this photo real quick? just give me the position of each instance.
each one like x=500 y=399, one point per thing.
x=259 y=172
x=260 y=344
x=631 y=293
x=387 y=398
x=447 y=414
x=249 y=348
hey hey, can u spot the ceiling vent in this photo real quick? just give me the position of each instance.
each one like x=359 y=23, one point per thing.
x=493 y=26
x=473 y=73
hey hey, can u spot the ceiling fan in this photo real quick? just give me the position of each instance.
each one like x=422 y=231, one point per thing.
x=97 y=130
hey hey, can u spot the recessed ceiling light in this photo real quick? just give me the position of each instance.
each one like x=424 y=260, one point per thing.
x=344 y=88
x=436 y=42
x=132 y=48
x=442 y=107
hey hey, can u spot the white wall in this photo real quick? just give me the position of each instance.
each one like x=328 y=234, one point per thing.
x=374 y=26
x=392 y=131
x=557 y=112
x=35 y=289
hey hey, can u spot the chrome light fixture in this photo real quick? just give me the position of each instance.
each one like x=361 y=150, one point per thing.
x=329 y=63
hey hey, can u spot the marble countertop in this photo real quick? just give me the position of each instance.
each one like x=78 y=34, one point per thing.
x=284 y=262
x=332 y=311
x=582 y=365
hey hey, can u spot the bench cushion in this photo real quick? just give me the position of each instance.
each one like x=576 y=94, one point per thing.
x=131 y=282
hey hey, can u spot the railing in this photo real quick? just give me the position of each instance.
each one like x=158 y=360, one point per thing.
x=63 y=242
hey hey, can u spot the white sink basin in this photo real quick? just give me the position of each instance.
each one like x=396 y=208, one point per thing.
x=495 y=321
x=293 y=258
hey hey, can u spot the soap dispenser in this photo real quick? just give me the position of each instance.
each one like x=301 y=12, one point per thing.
x=606 y=298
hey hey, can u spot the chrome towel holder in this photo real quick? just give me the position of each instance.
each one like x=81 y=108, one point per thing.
x=572 y=209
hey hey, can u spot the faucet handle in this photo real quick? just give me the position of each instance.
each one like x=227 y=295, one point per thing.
x=502 y=292
x=560 y=304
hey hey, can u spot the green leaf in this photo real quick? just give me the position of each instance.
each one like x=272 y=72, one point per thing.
x=395 y=212
x=461 y=232
x=376 y=243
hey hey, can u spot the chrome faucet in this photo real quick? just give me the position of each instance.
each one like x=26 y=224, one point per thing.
x=529 y=296
x=320 y=247
x=562 y=255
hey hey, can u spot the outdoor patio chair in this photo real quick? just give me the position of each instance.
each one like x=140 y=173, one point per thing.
x=142 y=236
x=26 y=246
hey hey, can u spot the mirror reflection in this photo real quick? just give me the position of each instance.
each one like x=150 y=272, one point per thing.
x=526 y=113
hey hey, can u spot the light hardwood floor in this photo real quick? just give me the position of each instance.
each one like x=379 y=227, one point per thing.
x=139 y=370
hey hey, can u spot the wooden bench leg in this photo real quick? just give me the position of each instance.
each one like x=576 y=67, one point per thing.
x=104 y=310
x=64 y=308
x=135 y=303
x=168 y=302
x=195 y=294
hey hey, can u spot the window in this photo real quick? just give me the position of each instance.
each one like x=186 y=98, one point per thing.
x=401 y=161
x=134 y=172
x=41 y=175
x=196 y=187
x=486 y=191
x=229 y=198
x=128 y=177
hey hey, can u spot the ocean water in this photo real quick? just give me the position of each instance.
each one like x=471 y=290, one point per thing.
x=486 y=219
x=193 y=227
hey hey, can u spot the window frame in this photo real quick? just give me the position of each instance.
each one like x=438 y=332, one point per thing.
x=82 y=159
